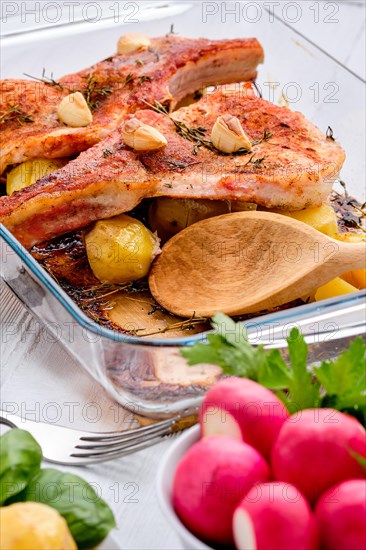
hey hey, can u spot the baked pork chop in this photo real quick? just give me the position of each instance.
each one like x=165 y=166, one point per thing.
x=292 y=165
x=168 y=71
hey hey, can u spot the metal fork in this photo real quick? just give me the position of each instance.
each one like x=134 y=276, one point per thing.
x=67 y=446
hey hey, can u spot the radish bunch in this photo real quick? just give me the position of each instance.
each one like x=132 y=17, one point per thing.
x=267 y=480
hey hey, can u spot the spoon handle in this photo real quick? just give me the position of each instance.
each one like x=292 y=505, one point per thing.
x=351 y=256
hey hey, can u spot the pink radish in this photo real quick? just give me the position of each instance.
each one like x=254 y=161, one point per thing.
x=211 y=480
x=244 y=410
x=341 y=516
x=274 y=516
x=313 y=450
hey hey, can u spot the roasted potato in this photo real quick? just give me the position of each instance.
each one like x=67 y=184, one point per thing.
x=33 y=526
x=243 y=206
x=120 y=249
x=169 y=216
x=336 y=287
x=323 y=218
x=30 y=171
x=357 y=277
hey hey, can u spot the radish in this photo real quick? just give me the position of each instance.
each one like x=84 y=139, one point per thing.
x=313 y=450
x=244 y=410
x=274 y=516
x=211 y=480
x=341 y=516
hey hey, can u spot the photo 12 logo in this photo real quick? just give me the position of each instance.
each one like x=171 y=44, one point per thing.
x=69 y=12
x=253 y=12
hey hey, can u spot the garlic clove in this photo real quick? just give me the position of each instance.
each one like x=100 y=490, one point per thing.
x=132 y=42
x=228 y=135
x=73 y=111
x=142 y=137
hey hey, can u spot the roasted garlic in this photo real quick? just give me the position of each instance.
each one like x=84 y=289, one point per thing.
x=142 y=137
x=73 y=111
x=132 y=42
x=228 y=135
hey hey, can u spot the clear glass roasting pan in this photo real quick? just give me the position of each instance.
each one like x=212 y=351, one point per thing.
x=148 y=375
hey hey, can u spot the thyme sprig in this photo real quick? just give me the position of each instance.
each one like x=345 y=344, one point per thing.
x=188 y=324
x=50 y=81
x=15 y=113
x=257 y=163
x=266 y=136
x=329 y=134
x=93 y=91
x=171 y=31
x=198 y=135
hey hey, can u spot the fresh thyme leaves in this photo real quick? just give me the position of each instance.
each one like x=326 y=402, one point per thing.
x=144 y=79
x=266 y=136
x=257 y=163
x=94 y=92
x=196 y=148
x=171 y=31
x=155 y=52
x=107 y=153
x=196 y=135
x=329 y=133
x=129 y=79
x=15 y=114
x=50 y=81
x=257 y=89
x=188 y=324
x=350 y=213
x=339 y=383
x=343 y=184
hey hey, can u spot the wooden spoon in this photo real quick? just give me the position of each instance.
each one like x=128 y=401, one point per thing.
x=247 y=262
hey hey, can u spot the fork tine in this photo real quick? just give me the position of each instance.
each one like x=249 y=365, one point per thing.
x=155 y=430
x=86 y=458
x=109 y=436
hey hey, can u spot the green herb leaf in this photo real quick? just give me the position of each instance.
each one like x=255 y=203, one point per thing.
x=274 y=373
x=304 y=391
x=345 y=378
x=20 y=460
x=340 y=384
x=229 y=348
x=88 y=517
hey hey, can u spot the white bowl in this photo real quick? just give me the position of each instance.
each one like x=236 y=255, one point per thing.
x=165 y=485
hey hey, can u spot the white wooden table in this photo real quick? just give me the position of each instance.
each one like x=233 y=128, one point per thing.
x=38 y=375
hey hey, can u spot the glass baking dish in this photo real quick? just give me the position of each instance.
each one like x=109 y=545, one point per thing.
x=149 y=376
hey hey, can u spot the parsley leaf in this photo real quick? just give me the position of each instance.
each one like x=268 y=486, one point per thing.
x=344 y=379
x=304 y=391
x=340 y=384
x=229 y=348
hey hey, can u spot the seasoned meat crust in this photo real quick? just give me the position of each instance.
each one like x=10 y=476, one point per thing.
x=168 y=71
x=293 y=169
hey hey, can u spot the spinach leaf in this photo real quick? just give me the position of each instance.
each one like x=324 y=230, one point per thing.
x=20 y=460
x=88 y=517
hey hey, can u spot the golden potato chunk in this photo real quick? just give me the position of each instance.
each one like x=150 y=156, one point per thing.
x=120 y=249
x=357 y=277
x=30 y=171
x=323 y=218
x=169 y=216
x=33 y=526
x=336 y=287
